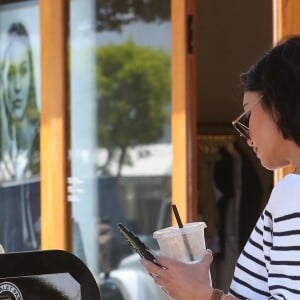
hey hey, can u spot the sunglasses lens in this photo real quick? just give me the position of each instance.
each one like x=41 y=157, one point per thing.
x=245 y=120
x=241 y=124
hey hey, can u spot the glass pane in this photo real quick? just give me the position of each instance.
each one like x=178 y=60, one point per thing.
x=120 y=150
x=19 y=126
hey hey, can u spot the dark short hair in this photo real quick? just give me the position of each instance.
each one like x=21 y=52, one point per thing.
x=277 y=77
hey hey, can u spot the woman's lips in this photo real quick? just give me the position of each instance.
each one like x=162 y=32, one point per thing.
x=256 y=151
x=17 y=103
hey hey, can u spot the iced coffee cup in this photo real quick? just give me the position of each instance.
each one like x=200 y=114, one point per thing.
x=186 y=244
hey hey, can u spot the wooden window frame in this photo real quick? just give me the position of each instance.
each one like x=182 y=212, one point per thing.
x=184 y=110
x=55 y=210
x=286 y=22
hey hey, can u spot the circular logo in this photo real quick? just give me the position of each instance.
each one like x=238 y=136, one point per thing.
x=9 y=291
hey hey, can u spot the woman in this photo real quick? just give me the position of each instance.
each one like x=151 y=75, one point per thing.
x=19 y=145
x=19 y=113
x=268 y=267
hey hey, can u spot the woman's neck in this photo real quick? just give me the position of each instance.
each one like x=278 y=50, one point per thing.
x=21 y=133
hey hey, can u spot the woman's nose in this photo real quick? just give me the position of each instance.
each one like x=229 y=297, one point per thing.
x=17 y=83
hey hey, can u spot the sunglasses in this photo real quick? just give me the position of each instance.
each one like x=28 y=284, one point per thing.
x=241 y=124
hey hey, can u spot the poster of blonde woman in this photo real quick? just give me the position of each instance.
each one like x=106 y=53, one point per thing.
x=19 y=134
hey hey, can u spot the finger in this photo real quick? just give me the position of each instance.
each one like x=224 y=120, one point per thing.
x=165 y=291
x=159 y=281
x=154 y=276
x=151 y=267
x=166 y=261
x=207 y=258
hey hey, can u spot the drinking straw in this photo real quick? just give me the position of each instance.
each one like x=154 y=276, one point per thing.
x=184 y=237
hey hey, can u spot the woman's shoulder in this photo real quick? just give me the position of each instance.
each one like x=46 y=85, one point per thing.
x=289 y=183
x=285 y=196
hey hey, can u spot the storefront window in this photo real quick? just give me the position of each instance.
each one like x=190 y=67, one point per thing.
x=19 y=126
x=120 y=146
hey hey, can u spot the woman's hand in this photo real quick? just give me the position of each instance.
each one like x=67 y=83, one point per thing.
x=180 y=280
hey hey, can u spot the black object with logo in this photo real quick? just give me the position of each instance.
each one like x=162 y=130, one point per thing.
x=49 y=274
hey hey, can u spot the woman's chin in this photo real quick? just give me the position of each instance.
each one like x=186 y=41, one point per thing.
x=265 y=164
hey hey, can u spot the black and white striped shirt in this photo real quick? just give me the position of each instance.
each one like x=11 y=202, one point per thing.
x=269 y=265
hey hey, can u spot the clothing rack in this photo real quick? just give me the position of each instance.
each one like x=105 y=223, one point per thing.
x=211 y=144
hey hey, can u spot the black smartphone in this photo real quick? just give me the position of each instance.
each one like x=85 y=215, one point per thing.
x=138 y=245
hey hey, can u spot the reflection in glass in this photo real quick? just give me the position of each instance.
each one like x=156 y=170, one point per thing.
x=121 y=149
x=19 y=129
